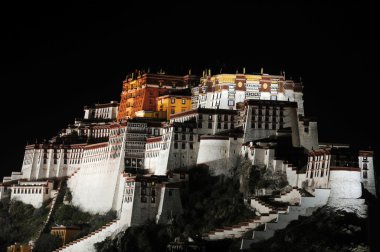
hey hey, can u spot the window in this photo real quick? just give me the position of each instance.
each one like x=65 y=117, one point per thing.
x=210 y=125
x=253 y=125
x=183 y=136
x=199 y=124
x=172 y=110
x=365 y=175
x=306 y=129
x=173 y=100
x=153 y=200
x=175 y=145
x=143 y=199
x=200 y=117
x=183 y=101
x=225 y=125
x=191 y=138
x=153 y=191
x=170 y=192
x=219 y=125
x=231 y=103
x=175 y=136
x=183 y=145
x=365 y=166
x=225 y=117
x=143 y=191
x=209 y=117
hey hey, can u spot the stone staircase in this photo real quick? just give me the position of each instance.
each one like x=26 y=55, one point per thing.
x=237 y=231
x=57 y=198
x=274 y=212
x=86 y=243
x=300 y=203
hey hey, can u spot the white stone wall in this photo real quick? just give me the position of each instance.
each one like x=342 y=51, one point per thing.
x=291 y=175
x=4 y=192
x=368 y=176
x=345 y=184
x=219 y=153
x=95 y=186
x=42 y=162
x=34 y=193
x=308 y=135
x=170 y=204
x=142 y=211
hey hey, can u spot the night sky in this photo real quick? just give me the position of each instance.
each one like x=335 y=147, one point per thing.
x=57 y=58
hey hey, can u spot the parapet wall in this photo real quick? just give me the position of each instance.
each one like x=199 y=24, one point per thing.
x=345 y=183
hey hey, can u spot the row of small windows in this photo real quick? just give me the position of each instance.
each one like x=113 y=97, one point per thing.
x=183 y=137
x=259 y=125
x=317 y=173
x=30 y=191
x=173 y=100
x=319 y=158
x=152 y=154
x=144 y=199
x=218 y=126
x=219 y=117
x=115 y=140
x=183 y=129
x=183 y=145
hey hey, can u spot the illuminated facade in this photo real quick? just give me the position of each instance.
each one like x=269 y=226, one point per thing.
x=66 y=234
x=173 y=103
x=140 y=93
x=225 y=91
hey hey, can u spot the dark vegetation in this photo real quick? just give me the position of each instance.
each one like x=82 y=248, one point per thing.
x=19 y=222
x=68 y=215
x=256 y=177
x=208 y=203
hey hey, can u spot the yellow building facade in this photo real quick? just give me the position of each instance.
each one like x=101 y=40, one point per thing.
x=173 y=104
x=151 y=114
x=66 y=234
x=19 y=248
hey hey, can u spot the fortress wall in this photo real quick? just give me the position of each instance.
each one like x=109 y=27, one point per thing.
x=345 y=183
x=219 y=153
x=170 y=204
x=94 y=187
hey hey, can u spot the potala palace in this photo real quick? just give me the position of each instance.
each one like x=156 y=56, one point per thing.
x=129 y=156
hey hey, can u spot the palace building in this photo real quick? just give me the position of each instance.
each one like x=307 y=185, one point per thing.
x=130 y=156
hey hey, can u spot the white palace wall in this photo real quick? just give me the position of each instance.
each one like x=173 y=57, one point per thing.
x=220 y=153
x=345 y=183
x=95 y=186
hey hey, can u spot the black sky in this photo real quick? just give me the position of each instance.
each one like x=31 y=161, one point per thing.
x=56 y=58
